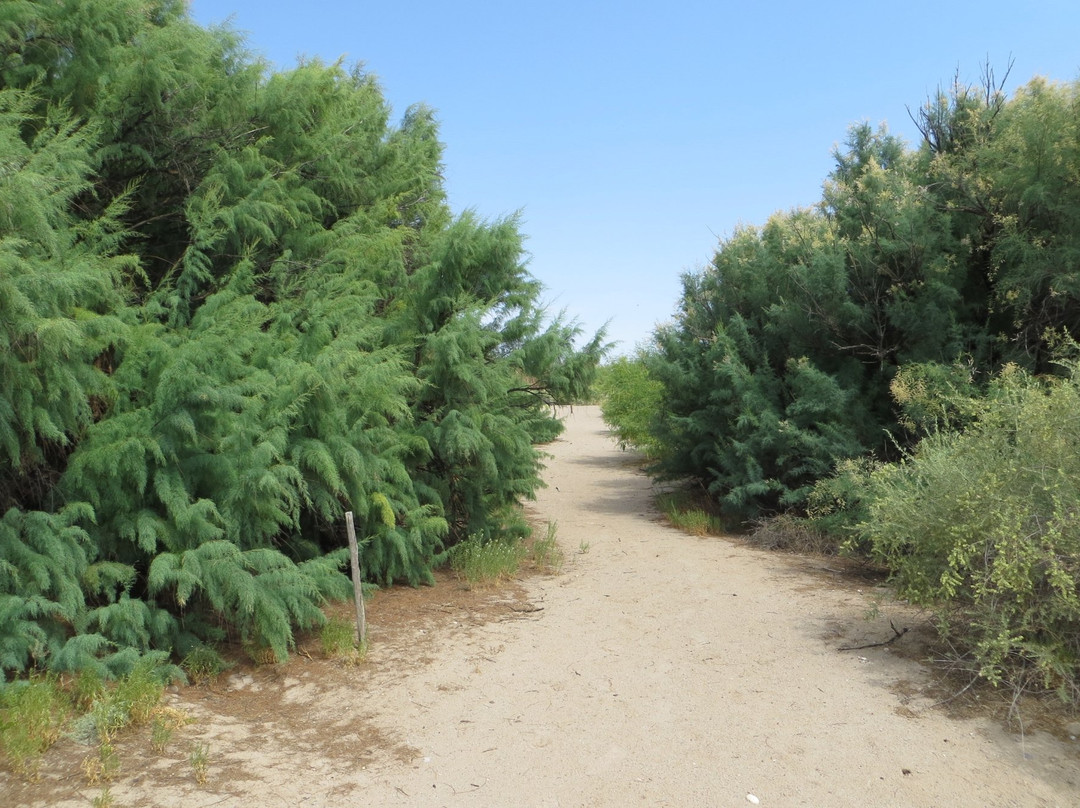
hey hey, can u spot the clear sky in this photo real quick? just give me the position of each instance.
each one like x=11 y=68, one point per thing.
x=632 y=136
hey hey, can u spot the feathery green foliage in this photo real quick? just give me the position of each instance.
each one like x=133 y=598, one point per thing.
x=780 y=358
x=234 y=304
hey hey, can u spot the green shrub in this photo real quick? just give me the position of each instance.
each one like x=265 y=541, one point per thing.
x=235 y=303
x=629 y=401
x=839 y=503
x=984 y=527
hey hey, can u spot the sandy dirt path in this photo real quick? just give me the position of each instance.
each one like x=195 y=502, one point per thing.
x=656 y=669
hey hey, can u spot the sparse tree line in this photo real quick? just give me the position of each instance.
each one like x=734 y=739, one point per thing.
x=897 y=367
x=234 y=304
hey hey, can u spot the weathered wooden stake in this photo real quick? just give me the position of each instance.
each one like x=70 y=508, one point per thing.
x=358 y=592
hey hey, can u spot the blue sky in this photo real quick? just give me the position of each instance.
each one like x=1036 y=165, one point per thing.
x=632 y=137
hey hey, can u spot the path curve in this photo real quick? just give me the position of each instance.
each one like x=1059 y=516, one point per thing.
x=666 y=670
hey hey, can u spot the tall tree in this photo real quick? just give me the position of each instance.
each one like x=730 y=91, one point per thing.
x=237 y=305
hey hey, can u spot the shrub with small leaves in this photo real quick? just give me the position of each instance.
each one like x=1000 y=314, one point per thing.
x=984 y=526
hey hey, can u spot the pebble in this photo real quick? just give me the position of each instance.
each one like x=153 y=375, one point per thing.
x=750 y=798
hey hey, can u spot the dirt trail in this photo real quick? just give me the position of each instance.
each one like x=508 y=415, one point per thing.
x=657 y=669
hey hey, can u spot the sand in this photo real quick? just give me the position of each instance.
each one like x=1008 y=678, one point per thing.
x=656 y=669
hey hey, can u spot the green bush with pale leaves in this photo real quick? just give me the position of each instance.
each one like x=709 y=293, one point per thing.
x=983 y=526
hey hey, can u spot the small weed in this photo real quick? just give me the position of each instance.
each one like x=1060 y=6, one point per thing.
x=584 y=547
x=91 y=769
x=110 y=761
x=477 y=561
x=103 y=766
x=203 y=664
x=161 y=732
x=103 y=800
x=32 y=715
x=200 y=761
x=166 y=721
x=546 y=552
x=873 y=611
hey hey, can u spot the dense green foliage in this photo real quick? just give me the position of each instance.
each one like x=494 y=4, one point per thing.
x=233 y=305
x=781 y=354
x=982 y=525
x=630 y=401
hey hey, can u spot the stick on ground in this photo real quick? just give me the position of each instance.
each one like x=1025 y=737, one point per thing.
x=897 y=634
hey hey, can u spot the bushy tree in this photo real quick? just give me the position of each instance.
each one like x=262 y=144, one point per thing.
x=235 y=304
x=764 y=389
x=630 y=400
x=780 y=357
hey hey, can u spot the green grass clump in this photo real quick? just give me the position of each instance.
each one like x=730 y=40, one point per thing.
x=338 y=640
x=203 y=664
x=132 y=701
x=478 y=561
x=32 y=716
x=546 y=553
x=695 y=522
x=36 y=712
x=689 y=512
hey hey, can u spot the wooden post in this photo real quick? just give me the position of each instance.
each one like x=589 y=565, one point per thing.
x=358 y=592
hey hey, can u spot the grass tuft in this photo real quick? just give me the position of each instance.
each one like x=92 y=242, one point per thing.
x=200 y=762
x=546 y=553
x=32 y=716
x=690 y=513
x=478 y=561
x=203 y=664
x=791 y=533
x=338 y=640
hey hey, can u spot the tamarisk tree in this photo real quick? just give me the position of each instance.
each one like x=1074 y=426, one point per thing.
x=235 y=304
x=780 y=357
